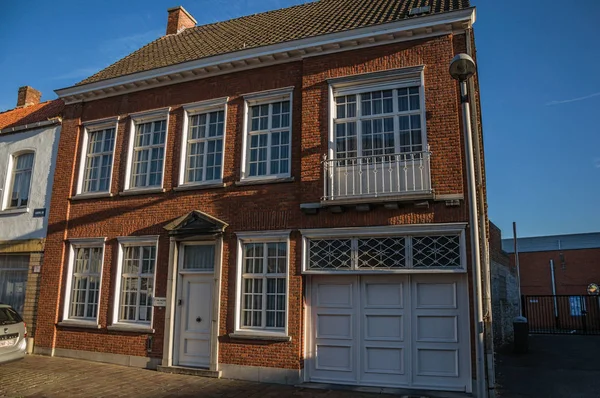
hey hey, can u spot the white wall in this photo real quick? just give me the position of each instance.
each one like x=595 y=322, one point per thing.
x=44 y=141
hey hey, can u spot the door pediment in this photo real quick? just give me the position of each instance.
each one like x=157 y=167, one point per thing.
x=195 y=223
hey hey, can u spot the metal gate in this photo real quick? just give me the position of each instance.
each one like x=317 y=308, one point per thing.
x=562 y=314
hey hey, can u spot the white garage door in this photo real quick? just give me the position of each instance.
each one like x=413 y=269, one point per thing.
x=390 y=330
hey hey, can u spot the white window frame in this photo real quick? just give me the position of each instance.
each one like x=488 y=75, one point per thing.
x=82 y=243
x=125 y=241
x=8 y=190
x=260 y=237
x=182 y=248
x=89 y=128
x=446 y=229
x=189 y=110
x=139 y=118
x=263 y=98
x=369 y=82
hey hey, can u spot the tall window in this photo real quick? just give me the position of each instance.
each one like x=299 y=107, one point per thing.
x=379 y=122
x=21 y=180
x=204 y=152
x=264 y=286
x=98 y=160
x=148 y=154
x=269 y=136
x=137 y=283
x=85 y=271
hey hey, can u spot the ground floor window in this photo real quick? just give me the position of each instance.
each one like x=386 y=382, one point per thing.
x=83 y=285
x=13 y=280
x=263 y=286
x=136 y=272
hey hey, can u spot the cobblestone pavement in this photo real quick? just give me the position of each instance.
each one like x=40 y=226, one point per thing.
x=40 y=376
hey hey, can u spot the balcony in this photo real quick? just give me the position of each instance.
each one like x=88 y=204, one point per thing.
x=365 y=179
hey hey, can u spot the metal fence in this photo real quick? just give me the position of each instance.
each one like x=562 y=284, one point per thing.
x=562 y=314
x=377 y=175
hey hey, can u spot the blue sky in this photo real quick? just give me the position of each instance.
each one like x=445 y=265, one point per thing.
x=538 y=67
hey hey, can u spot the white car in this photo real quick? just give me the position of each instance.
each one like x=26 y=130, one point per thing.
x=13 y=334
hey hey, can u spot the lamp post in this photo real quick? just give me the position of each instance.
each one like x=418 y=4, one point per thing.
x=462 y=67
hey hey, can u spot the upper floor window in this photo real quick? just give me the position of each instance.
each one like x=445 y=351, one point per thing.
x=269 y=134
x=97 y=157
x=378 y=122
x=147 y=150
x=204 y=134
x=376 y=119
x=20 y=181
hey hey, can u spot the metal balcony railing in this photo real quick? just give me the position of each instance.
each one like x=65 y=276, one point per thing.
x=377 y=176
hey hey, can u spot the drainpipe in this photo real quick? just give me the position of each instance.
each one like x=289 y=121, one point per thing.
x=554 y=291
x=485 y=263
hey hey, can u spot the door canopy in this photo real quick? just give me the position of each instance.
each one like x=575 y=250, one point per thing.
x=195 y=223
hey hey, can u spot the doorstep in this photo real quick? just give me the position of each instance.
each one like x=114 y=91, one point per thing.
x=181 y=370
x=398 y=392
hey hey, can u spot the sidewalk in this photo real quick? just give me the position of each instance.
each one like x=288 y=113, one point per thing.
x=40 y=376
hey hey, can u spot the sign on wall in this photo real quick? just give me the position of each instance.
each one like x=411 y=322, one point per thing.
x=159 y=301
x=593 y=289
x=39 y=212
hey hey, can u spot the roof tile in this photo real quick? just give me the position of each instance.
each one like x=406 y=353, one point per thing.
x=252 y=31
x=31 y=114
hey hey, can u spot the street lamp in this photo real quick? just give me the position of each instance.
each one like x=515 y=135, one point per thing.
x=462 y=67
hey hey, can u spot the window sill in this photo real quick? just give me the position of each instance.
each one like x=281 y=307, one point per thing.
x=263 y=181
x=69 y=323
x=131 y=328
x=140 y=191
x=191 y=187
x=19 y=210
x=91 y=195
x=258 y=336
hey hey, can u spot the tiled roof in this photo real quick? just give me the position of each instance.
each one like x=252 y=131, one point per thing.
x=31 y=114
x=293 y=23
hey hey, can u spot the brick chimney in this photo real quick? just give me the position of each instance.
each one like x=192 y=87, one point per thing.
x=28 y=96
x=179 y=19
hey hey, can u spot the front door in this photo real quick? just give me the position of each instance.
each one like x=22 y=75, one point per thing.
x=195 y=303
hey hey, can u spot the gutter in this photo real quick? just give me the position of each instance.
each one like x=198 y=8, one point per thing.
x=485 y=259
x=49 y=122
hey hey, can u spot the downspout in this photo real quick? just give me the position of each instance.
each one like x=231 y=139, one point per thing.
x=485 y=260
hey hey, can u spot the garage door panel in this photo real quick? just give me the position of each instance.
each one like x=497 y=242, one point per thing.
x=334 y=357
x=435 y=295
x=335 y=295
x=383 y=295
x=384 y=359
x=384 y=327
x=437 y=328
x=335 y=326
x=437 y=362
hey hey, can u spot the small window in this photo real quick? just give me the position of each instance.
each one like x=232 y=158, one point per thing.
x=21 y=180
x=268 y=135
x=98 y=158
x=204 y=150
x=198 y=257
x=148 y=154
x=136 y=272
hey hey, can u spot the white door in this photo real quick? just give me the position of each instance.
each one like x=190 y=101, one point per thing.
x=194 y=306
x=390 y=330
x=333 y=357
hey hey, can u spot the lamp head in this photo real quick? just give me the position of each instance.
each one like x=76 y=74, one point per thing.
x=462 y=67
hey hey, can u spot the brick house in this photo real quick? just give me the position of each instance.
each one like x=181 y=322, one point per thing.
x=575 y=259
x=29 y=136
x=271 y=202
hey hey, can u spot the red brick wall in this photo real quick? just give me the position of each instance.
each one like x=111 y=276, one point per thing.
x=244 y=208
x=574 y=270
